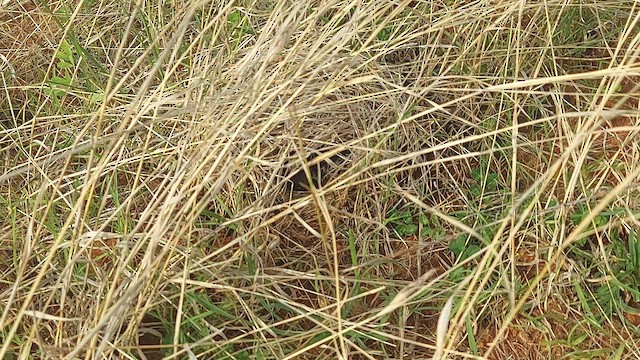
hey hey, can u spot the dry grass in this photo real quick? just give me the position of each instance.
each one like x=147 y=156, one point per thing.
x=474 y=166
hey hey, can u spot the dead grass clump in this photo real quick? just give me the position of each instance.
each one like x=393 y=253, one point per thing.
x=311 y=179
